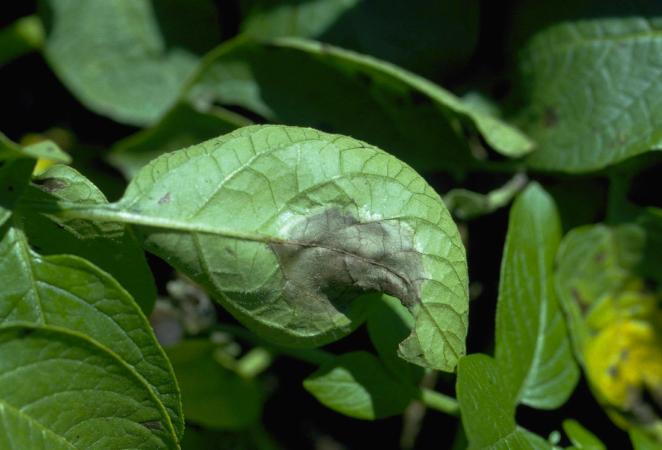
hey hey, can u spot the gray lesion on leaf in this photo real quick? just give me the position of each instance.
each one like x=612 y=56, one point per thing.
x=331 y=257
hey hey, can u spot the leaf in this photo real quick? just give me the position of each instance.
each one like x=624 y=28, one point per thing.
x=60 y=390
x=532 y=344
x=354 y=94
x=127 y=59
x=589 y=104
x=69 y=293
x=467 y=204
x=357 y=384
x=642 y=441
x=286 y=226
x=46 y=149
x=580 y=437
x=592 y=261
x=22 y=36
x=388 y=324
x=180 y=127
x=212 y=395
x=14 y=179
x=112 y=248
x=424 y=37
x=488 y=410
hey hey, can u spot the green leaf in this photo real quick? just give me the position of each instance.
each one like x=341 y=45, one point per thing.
x=388 y=324
x=114 y=249
x=580 y=437
x=642 y=441
x=14 y=179
x=357 y=384
x=47 y=150
x=589 y=104
x=61 y=390
x=21 y=37
x=70 y=293
x=467 y=204
x=180 y=127
x=127 y=59
x=592 y=261
x=488 y=409
x=422 y=36
x=287 y=226
x=532 y=344
x=353 y=94
x=212 y=395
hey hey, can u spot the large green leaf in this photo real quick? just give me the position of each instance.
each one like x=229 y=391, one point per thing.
x=358 y=385
x=287 y=226
x=60 y=390
x=488 y=409
x=426 y=37
x=302 y=82
x=112 y=248
x=213 y=396
x=70 y=293
x=180 y=127
x=532 y=344
x=593 y=92
x=127 y=59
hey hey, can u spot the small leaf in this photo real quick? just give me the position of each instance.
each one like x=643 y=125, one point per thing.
x=488 y=409
x=589 y=105
x=466 y=204
x=112 y=248
x=180 y=127
x=580 y=437
x=354 y=94
x=69 y=293
x=287 y=226
x=60 y=390
x=532 y=344
x=388 y=324
x=127 y=59
x=46 y=150
x=357 y=384
x=212 y=395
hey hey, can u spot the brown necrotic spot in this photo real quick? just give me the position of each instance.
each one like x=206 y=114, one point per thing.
x=52 y=184
x=331 y=257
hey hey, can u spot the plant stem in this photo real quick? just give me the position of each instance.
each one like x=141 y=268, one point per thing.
x=21 y=37
x=439 y=402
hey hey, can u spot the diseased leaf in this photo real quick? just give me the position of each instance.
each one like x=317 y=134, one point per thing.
x=286 y=226
x=69 y=293
x=213 y=396
x=127 y=59
x=353 y=94
x=181 y=127
x=60 y=390
x=592 y=261
x=358 y=385
x=593 y=92
x=426 y=37
x=488 y=411
x=532 y=344
x=113 y=248
x=580 y=437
